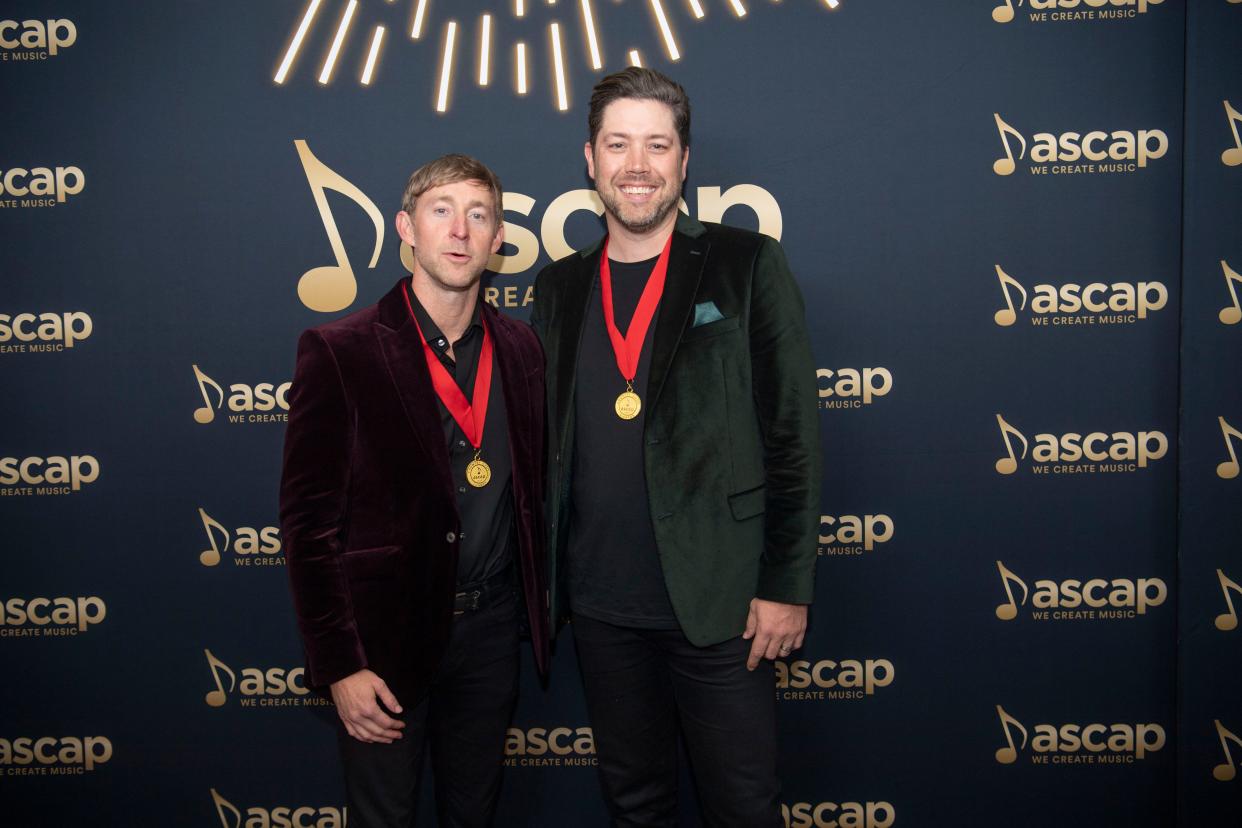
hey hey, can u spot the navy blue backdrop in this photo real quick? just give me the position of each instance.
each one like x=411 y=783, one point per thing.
x=1016 y=226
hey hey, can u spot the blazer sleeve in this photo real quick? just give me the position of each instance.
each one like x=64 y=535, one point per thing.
x=313 y=495
x=783 y=383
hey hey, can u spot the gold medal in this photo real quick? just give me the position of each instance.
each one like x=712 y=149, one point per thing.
x=628 y=405
x=478 y=473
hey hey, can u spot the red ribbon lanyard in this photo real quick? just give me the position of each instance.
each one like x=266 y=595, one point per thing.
x=469 y=416
x=627 y=348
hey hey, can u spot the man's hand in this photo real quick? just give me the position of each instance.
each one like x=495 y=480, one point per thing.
x=355 y=697
x=777 y=629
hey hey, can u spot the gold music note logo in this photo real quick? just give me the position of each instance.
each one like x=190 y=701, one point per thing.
x=1009 y=465
x=1233 y=314
x=217 y=697
x=1232 y=157
x=211 y=557
x=1007 y=316
x=333 y=287
x=1227 y=770
x=1009 y=611
x=1227 y=621
x=1006 y=165
x=221 y=804
x=207 y=413
x=1009 y=755
x=1004 y=14
x=1229 y=469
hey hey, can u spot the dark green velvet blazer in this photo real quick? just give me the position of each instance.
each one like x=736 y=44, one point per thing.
x=731 y=440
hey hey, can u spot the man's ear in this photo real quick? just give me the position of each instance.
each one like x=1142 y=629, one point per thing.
x=405 y=227
x=589 y=152
x=500 y=237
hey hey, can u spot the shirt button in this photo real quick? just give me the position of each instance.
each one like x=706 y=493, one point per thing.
x=461 y=489
x=461 y=443
x=450 y=537
x=440 y=342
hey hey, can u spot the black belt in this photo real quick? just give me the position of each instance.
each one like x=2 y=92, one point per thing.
x=480 y=594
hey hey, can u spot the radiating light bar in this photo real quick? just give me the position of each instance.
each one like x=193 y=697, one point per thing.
x=446 y=67
x=519 y=57
x=697 y=8
x=326 y=72
x=669 y=43
x=738 y=8
x=588 y=23
x=635 y=60
x=519 y=8
x=297 y=41
x=376 y=40
x=417 y=31
x=562 y=97
x=485 y=49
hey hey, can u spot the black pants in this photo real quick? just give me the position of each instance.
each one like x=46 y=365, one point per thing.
x=640 y=685
x=463 y=719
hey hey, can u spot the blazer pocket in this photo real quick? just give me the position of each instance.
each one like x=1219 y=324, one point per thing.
x=720 y=326
x=379 y=562
x=749 y=503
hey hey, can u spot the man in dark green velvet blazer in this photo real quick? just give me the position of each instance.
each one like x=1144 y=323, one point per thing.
x=684 y=471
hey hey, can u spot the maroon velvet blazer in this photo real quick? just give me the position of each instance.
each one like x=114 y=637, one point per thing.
x=367 y=511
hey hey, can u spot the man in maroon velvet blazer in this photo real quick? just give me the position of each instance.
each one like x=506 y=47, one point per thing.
x=411 y=512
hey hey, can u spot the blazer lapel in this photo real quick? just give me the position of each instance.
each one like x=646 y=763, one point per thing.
x=685 y=269
x=407 y=368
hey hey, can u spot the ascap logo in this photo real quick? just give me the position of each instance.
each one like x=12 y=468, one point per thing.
x=43 y=332
x=839 y=815
x=1227 y=621
x=35 y=39
x=260 y=687
x=39 y=186
x=1232 y=157
x=852 y=387
x=1096 y=303
x=1063 y=454
x=1228 y=469
x=549 y=747
x=56 y=475
x=849 y=678
x=1075 y=744
x=1078 y=600
x=304 y=816
x=1227 y=770
x=853 y=534
x=53 y=755
x=1061 y=11
x=1231 y=314
x=330 y=288
x=49 y=617
x=246 y=403
x=250 y=546
x=1072 y=153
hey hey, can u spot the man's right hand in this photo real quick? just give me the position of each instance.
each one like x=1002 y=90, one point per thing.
x=355 y=698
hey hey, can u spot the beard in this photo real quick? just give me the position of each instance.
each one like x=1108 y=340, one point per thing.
x=637 y=219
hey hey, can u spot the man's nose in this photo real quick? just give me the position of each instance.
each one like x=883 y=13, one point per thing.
x=636 y=159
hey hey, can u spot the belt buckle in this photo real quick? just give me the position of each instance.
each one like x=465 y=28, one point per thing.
x=466 y=601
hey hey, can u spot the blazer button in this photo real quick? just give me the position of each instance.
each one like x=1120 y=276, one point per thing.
x=450 y=537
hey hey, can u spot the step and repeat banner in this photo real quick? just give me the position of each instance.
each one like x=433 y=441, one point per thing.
x=1016 y=226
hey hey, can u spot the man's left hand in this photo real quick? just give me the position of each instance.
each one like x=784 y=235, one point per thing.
x=776 y=628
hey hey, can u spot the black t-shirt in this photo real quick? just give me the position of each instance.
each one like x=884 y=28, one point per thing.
x=614 y=565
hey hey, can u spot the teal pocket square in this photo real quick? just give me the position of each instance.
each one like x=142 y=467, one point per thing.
x=705 y=312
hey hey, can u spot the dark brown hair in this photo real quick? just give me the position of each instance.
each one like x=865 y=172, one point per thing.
x=642 y=84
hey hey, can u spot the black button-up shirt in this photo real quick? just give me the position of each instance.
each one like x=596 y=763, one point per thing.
x=486 y=536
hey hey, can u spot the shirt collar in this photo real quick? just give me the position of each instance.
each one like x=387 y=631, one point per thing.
x=435 y=338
